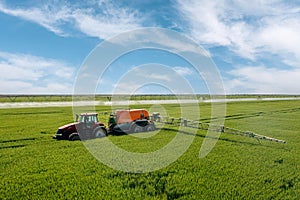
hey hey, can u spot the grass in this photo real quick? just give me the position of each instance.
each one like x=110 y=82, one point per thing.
x=34 y=166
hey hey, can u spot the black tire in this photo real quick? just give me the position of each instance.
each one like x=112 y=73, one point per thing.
x=149 y=128
x=74 y=136
x=136 y=129
x=100 y=132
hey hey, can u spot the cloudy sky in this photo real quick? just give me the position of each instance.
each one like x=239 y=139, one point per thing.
x=254 y=44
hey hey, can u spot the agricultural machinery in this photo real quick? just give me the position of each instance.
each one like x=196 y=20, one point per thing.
x=130 y=121
x=87 y=125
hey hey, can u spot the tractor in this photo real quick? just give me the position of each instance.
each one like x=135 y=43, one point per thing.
x=86 y=126
x=130 y=121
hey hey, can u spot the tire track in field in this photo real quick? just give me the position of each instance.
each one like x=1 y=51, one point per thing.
x=22 y=142
x=6 y=144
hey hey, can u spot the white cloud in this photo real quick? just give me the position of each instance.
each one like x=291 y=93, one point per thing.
x=183 y=71
x=257 y=31
x=260 y=79
x=44 y=16
x=112 y=21
x=98 y=19
x=23 y=73
x=246 y=28
x=282 y=38
x=152 y=77
x=153 y=74
x=163 y=77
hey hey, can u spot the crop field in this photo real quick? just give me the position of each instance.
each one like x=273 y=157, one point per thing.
x=35 y=166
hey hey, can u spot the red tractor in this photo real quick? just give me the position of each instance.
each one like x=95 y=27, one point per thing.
x=86 y=126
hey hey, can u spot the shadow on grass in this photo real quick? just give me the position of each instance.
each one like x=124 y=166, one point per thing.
x=202 y=136
x=17 y=140
x=222 y=139
x=13 y=146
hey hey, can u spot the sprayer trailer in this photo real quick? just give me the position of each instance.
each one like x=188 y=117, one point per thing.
x=130 y=121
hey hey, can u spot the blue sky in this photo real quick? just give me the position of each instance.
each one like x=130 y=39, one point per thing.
x=255 y=45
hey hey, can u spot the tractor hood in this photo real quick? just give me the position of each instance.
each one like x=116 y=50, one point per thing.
x=68 y=125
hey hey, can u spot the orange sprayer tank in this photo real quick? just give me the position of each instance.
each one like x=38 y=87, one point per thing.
x=127 y=116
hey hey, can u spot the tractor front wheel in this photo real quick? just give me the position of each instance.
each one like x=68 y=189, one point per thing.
x=74 y=136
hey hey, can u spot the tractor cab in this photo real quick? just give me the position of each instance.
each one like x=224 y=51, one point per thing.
x=87 y=119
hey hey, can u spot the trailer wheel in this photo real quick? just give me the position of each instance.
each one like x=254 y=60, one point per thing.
x=100 y=132
x=136 y=129
x=74 y=136
x=149 y=128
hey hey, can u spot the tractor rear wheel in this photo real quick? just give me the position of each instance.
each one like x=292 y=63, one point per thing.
x=100 y=132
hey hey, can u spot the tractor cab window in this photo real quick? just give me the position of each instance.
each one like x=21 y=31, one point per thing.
x=83 y=119
x=89 y=119
x=93 y=118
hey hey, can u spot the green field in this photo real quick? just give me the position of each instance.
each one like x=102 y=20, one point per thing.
x=34 y=166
